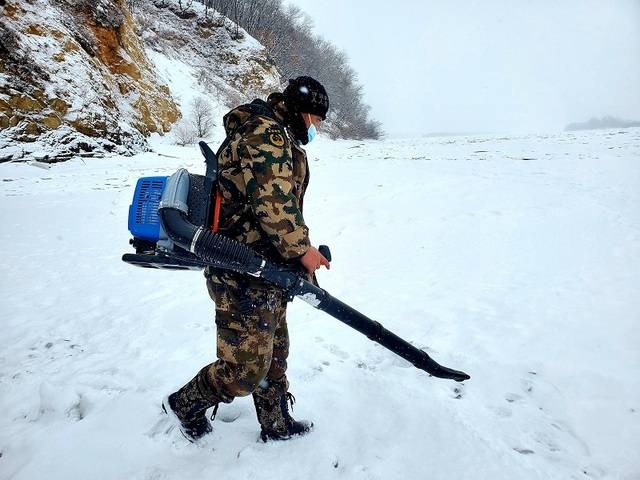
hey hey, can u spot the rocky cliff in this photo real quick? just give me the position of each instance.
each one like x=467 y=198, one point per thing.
x=80 y=77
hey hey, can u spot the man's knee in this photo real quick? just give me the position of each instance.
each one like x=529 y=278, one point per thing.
x=248 y=385
x=248 y=378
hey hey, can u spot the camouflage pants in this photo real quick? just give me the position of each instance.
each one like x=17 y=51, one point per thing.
x=252 y=337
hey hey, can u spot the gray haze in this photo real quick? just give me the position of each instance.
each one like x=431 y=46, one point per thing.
x=488 y=66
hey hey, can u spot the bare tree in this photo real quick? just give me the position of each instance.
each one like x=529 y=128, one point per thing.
x=184 y=133
x=132 y=4
x=207 y=5
x=202 y=117
x=184 y=5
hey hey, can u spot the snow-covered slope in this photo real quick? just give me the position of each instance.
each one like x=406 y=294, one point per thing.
x=516 y=259
x=228 y=68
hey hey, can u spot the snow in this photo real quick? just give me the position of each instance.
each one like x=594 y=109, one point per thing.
x=183 y=85
x=516 y=259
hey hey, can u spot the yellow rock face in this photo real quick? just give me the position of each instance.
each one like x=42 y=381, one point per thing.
x=51 y=122
x=25 y=103
x=5 y=108
x=59 y=106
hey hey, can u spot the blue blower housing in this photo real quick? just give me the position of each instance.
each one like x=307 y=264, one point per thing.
x=165 y=209
x=144 y=220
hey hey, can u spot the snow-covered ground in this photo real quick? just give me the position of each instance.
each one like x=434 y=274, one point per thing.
x=516 y=259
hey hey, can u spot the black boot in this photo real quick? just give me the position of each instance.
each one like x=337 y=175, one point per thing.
x=273 y=414
x=189 y=405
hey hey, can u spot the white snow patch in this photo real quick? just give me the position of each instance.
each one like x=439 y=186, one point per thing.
x=525 y=273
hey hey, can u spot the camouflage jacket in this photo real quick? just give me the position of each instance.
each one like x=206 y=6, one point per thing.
x=263 y=174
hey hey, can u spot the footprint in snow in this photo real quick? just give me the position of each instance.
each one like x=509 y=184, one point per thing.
x=548 y=442
x=398 y=362
x=458 y=391
x=594 y=472
x=162 y=427
x=338 y=352
x=513 y=397
x=502 y=412
x=153 y=474
x=527 y=387
x=524 y=451
x=229 y=414
x=365 y=366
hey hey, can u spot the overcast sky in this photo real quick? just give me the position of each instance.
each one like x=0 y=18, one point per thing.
x=488 y=65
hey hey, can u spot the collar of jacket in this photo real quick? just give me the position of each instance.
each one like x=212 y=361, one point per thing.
x=294 y=124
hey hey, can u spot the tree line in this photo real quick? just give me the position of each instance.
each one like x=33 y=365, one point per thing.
x=287 y=34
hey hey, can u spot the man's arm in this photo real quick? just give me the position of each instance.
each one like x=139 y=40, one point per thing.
x=267 y=168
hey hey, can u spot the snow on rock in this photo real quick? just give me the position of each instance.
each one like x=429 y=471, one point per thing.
x=516 y=259
x=76 y=78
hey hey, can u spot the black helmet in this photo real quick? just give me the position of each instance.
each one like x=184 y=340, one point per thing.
x=306 y=95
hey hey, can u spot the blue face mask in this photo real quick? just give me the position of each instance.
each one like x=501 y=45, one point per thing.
x=311 y=132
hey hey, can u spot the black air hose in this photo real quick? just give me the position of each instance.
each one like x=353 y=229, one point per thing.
x=212 y=248
x=215 y=248
x=180 y=230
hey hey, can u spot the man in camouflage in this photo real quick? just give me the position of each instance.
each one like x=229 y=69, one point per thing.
x=263 y=175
